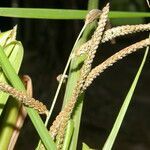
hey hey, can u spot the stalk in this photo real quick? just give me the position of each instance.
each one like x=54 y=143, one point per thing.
x=72 y=79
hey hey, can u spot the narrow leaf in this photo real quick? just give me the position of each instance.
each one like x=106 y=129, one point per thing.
x=37 y=13
x=112 y=136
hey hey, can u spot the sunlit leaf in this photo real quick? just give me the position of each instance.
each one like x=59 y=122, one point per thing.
x=37 y=13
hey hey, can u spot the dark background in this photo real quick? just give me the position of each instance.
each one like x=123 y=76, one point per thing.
x=47 y=44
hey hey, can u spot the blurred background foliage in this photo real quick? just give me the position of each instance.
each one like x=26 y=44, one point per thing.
x=43 y=62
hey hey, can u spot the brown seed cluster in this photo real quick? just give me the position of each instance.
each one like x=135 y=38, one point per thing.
x=60 y=123
x=64 y=115
x=124 y=30
x=101 y=35
x=113 y=33
x=114 y=58
x=24 y=98
x=95 y=41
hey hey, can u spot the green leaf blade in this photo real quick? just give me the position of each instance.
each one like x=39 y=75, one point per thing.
x=36 y=120
x=15 y=52
x=37 y=13
x=113 y=134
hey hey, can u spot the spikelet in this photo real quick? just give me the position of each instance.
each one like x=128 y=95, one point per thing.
x=66 y=116
x=57 y=130
x=113 y=33
x=60 y=123
x=65 y=113
x=56 y=125
x=24 y=98
x=124 y=30
x=87 y=64
x=90 y=17
x=114 y=58
x=84 y=48
x=61 y=133
x=95 y=41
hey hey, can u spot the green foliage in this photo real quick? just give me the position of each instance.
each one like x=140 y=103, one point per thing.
x=11 y=53
x=34 y=13
x=112 y=136
x=13 y=107
x=14 y=52
x=85 y=147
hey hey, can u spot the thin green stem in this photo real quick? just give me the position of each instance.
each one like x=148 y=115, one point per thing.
x=72 y=80
x=62 y=78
